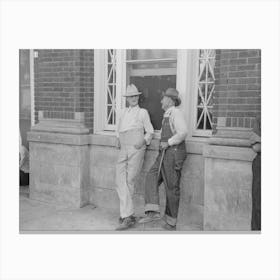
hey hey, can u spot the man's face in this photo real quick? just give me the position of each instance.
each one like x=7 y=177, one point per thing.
x=166 y=102
x=132 y=100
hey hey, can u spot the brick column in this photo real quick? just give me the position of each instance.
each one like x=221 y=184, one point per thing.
x=64 y=84
x=237 y=97
x=228 y=155
x=59 y=150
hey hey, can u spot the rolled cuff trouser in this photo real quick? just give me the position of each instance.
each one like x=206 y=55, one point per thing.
x=170 y=174
x=128 y=167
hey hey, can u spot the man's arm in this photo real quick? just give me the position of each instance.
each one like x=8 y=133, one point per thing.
x=118 y=144
x=180 y=129
x=148 y=127
x=255 y=139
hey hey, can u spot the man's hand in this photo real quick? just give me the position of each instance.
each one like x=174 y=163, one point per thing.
x=140 y=144
x=164 y=145
x=254 y=138
x=255 y=141
x=257 y=147
x=118 y=143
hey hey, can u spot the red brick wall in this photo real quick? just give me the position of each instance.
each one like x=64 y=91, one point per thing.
x=237 y=97
x=86 y=86
x=64 y=84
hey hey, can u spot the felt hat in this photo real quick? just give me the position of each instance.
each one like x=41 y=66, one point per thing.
x=173 y=94
x=131 y=90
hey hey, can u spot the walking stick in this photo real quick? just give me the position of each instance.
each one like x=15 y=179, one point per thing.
x=161 y=160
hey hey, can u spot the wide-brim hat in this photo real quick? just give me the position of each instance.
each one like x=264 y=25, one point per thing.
x=131 y=90
x=174 y=94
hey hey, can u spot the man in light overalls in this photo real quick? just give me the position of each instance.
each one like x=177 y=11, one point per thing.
x=134 y=132
x=168 y=165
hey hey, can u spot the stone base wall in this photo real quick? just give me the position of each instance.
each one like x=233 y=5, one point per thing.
x=228 y=188
x=59 y=173
x=75 y=170
x=192 y=192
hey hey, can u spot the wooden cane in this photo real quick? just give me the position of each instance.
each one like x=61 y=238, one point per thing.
x=160 y=163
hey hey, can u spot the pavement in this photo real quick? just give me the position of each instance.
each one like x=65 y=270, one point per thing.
x=39 y=217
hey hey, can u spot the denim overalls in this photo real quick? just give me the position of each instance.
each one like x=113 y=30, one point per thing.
x=170 y=174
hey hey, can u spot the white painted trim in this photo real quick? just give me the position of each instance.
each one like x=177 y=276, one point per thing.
x=155 y=60
x=124 y=76
x=99 y=82
x=194 y=88
x=153 y=72
x=202 y=133
x=181 y=82
x=120 y=82
x=32 y=92
x=105 y=107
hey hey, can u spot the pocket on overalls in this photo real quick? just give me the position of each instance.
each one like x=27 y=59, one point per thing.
x=180 y=156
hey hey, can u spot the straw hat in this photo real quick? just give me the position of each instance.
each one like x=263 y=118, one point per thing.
x=131 y=90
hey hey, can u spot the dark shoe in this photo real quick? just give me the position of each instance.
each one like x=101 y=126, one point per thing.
x=168 y=227
x=150 y=217
x=126 y=223
x=121 y=219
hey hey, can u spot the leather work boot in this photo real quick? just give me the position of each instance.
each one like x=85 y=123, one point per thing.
x=150 y=217
x=168 y=227
x=126 y=223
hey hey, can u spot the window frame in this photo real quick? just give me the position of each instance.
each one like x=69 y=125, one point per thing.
x=186 y=84
x=32 y=55
x=197 y=132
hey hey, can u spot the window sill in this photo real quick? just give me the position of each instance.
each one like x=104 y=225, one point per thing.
x=103 y=139
x=194 y=145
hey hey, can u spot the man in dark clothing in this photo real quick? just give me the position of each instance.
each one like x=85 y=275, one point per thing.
x=168 y=165
x=256 y=168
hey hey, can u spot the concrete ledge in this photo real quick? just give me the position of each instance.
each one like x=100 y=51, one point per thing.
x=234 y=142
x=233 y=132
x=57 y=138
x=59 y=126
x=102 y=140
x=68 y=126
x=111 y=141
x=230 y=153
x=195 y=145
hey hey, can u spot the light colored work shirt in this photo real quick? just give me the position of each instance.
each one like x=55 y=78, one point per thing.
x=178 y=125
x=133 y=118
x=23 y=157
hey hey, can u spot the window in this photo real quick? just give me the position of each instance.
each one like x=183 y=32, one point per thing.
x=153 y=71
x=205 y=89
x=110 y=70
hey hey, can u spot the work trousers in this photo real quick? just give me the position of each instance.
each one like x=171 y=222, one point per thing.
x=170 y=174
x=256 y=193
x=128 y=167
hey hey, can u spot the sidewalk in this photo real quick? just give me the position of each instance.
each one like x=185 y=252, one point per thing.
x=36 y=216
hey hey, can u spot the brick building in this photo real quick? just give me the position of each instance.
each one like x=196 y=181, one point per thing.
x=75 y=99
